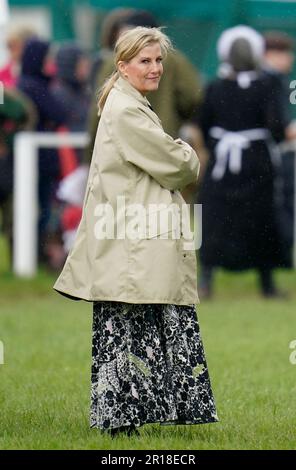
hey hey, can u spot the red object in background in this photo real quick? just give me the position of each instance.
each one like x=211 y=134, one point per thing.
x=9 y=126
x=67 y=156
x=71 y=217
x=50 y=67
x=8 y=76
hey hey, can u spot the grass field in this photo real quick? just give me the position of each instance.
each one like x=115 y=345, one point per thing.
x=45 y=378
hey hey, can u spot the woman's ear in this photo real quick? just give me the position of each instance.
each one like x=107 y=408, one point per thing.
x=121 y=67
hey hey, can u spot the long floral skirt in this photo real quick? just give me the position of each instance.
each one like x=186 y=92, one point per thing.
x=148 y=366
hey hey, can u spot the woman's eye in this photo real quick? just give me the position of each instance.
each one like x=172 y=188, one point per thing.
x=145 y=61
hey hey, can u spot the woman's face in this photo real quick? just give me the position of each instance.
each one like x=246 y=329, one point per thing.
x=145 y=69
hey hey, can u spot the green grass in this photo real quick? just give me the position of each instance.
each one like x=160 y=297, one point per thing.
x=45 y=380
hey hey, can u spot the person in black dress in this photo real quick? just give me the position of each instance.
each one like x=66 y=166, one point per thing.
x=241 y=122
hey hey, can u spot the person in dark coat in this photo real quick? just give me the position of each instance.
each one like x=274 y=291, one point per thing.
x=109 y=31
x=36 y=85
x=278 y=64
x=70 y=86
x=71 y=89
x=240 y=122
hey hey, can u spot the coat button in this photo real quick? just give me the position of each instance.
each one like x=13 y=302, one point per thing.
x=184 y=256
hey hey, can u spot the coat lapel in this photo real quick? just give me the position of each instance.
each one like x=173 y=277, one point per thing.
x=124 y=86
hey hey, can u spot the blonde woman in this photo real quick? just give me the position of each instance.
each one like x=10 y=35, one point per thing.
x=148 y=362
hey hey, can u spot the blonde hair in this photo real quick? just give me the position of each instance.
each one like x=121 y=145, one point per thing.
x=20 y=33
x=127 y=46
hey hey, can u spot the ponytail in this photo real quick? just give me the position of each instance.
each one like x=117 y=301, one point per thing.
x=105 y=90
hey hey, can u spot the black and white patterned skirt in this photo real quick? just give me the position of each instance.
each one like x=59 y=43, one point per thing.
x=148 y=366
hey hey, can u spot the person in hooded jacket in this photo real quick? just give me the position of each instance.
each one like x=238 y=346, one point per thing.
x=71 y=89
x=278 y=64
x=35 y=83
x=70 y=85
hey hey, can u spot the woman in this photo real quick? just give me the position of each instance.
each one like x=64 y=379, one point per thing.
x=240 y=118
x=148 y=362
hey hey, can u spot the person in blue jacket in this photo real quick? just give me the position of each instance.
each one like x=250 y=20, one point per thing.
x=35 y=83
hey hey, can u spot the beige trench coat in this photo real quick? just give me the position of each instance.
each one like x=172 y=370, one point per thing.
x=135 y=162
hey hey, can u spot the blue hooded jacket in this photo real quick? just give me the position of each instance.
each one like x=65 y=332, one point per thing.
x=36 y=85
x=70 y=92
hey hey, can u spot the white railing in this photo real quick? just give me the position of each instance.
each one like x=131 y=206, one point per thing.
x=25 y=193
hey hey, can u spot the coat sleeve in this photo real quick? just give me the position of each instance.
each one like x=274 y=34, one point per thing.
x=172 y=163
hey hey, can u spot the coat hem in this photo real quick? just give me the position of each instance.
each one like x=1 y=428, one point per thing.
x=130 y=301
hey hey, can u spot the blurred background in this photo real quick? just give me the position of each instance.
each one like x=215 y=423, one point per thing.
x=54 y=56
x=194 y=26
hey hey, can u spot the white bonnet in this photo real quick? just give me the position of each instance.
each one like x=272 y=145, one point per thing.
x=228 y=37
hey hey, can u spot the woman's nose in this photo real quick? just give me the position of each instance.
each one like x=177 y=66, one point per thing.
x=156 y=67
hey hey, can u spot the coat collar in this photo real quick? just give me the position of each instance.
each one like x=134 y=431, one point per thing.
x=125 y=87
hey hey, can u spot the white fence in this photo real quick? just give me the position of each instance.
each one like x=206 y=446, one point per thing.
x=25 y=201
